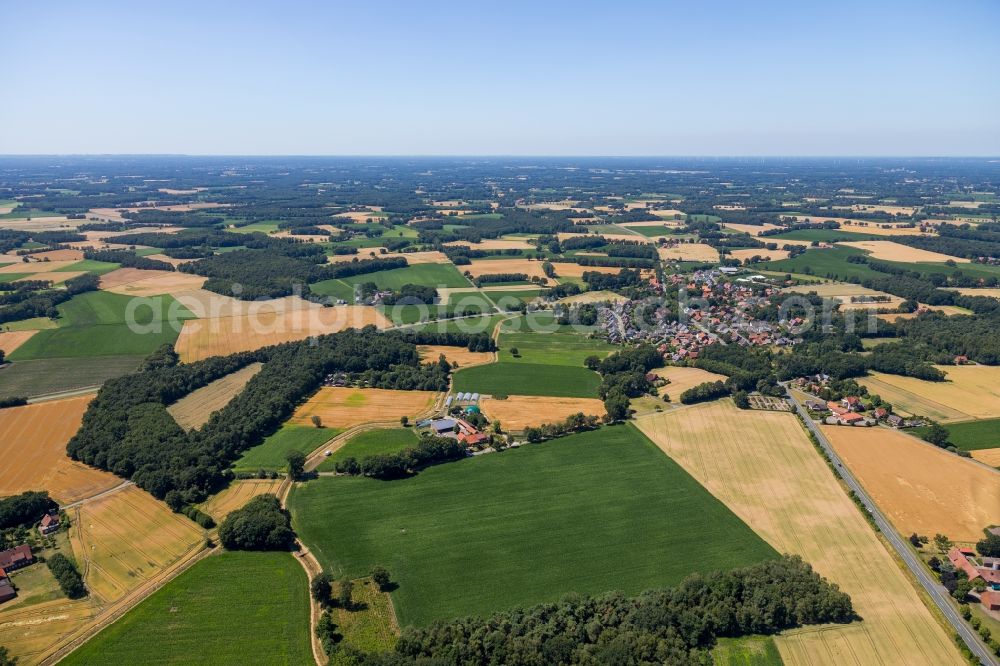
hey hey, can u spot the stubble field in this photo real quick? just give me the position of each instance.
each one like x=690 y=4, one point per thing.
x=762 y=466
x=460 y=355
x=123 y=539
x=193 y=410
x=969 y=392
x=344 y=407
x=33 y=450
x=237 y=494
x=922 y=488
x=518 y=412
x=219 y=336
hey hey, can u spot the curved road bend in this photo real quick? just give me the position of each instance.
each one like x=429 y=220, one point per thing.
x=936 y=591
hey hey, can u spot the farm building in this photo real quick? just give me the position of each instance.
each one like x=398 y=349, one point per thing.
x=894 y=420
x=49 y=524
x=443 y=426
x=16 y=558
x=7 y=591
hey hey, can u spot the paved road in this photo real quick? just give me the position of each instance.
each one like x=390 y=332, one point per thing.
x=936 y=591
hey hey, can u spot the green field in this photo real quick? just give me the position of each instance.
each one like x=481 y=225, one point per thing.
x=971 y=435
x=370 y=442
x=90 y=266
x=10 y=277
x=652 y=231
x=475 y=324
x=563 y=381
x=428 y=275
x=830 y=263
x=508 y=298
x=262 y=227
x=822 y=235
x=94 y=324
x=232 y=608
x=271 y=454
x=559 y=348
x=746 y=651
x=33 y=324
x=335 y=288
x=54 y=375
x=598 y=511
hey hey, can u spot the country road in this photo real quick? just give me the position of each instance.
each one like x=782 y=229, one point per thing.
x=936 y=591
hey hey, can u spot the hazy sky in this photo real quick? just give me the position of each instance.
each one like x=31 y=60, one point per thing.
x=527 y=78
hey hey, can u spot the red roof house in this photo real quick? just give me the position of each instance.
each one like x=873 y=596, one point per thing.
x=960 y=561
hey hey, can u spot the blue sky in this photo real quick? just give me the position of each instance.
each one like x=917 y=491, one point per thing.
x=522 y=78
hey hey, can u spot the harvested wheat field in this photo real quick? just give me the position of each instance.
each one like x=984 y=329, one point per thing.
x=33 y=450
x=989 y=457
x=460 y=355
x=412 y=258
x=843 y=291
x=358 y=216
x=219 y=336
x=142 y=282
x=753 y=229
x=36 y=266
x=59 y=255
x=207 y=304
x=566 y=269
x=905 y=211
x=689 y=252
x=921 y=488
x=169 y=260
x=193 y=410
x=237 y=494
x=593 y=297
x=880 y=229
x=59 y=223
x=494 y=244
x=889 y=251
x=31 y=632
x=969 y=392
x=978 y=291
x=11 y=340
x=763 y=467
x=747 y=253
x=345 y=407
x=514 y=265
x=55 y=277
x=518 y=412
x=683 y=378
x=122 y=540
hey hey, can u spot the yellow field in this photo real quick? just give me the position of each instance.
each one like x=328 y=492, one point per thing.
x=193 y=410
x=30 y=631
x=55 y=277
x=974 y=291
x=842 y=291
x=566 y=269
x=772 y=255
x=860 y=226
x=429 y=257
x=170 y=260
x=514 y=265
x=495 y=244
x=990 y=457
x=36 y=266
x=33 y=450
x=518 y=412
x=689 y=252
x=753 y=229
x=123 y=539
x=59 y=255
x=683 y=378
x=201 y=338
x=11 y=340
x=141 y=282
x=762 y=466
x=921 y=488
x=460 y=355
x=345 y=407
x=971 y=391
x=593 y=297
x=237 y=494
x=889 y=251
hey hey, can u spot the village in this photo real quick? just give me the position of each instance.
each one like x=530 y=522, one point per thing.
x=723 y=313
